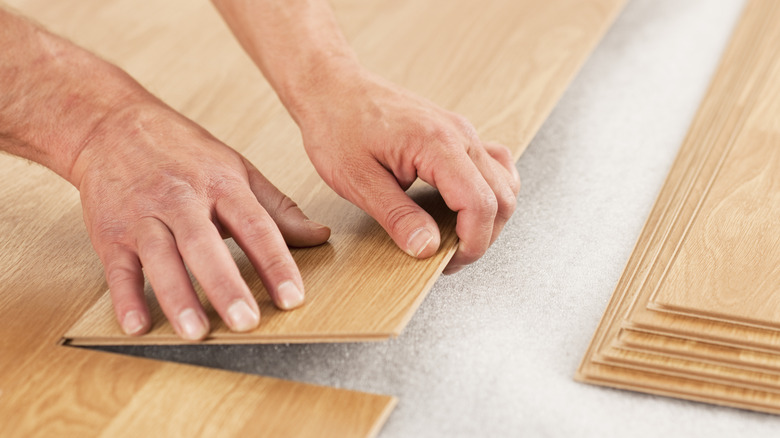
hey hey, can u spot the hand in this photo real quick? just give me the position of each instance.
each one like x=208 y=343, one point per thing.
x=158 y=191
x=370 y=140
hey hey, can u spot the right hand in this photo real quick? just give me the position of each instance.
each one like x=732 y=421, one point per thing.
x=370 y=140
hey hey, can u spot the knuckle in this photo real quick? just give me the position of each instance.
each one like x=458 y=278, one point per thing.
x=224 y=283
x=175 y=193
x=398 y=216
x=285 y=206
x=152 y=246
x=516 y=186
x=276 y=263
x=119 y=274
x=224 y=186
x=195 y=239
x=110 y=231
x=465 y=126
x=437 y=133
x=487 y=204
x=255 y=229
x=503 y=154
x=507 y=203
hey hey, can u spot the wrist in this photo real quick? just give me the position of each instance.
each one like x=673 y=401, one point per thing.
x=132 y=119
x=54 y=95
x=326 y=79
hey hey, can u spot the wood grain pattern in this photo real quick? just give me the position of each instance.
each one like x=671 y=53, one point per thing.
x=50 y=275
x=728 y=266
x=359 y=285
x=735 y=120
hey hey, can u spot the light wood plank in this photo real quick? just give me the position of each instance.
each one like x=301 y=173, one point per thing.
x=728 y=266
x=700 y=351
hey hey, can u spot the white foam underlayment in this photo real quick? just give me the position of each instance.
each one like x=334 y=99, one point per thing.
x=492 y=350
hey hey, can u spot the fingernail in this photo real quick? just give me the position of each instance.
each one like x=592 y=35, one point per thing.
x=242 y=317
x=190 y=325
x=314 y=224
x=418 y=241
x=452 y=270
x=133 y=323
x=290 y=296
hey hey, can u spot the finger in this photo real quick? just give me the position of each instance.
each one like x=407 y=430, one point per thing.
x=257 y=234
x=377 y=192
x=465 y=190
x=210 y=261
x=501 y=181
x=169 y=280
x=503 y=155
x=126 y=285
x=499 y=170
x=296 y=228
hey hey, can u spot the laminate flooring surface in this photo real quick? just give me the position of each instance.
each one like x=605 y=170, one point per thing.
x=491 y=351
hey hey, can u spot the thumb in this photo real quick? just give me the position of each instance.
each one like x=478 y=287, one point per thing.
x=297 y=230
x=379 y=195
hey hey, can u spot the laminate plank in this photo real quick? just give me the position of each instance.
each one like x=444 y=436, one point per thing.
x=728 y=266
x=359 y=285
x=700 y=351
x=692 y=369
x=700 y=329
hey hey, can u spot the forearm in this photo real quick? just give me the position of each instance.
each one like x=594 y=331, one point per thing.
x=297 y=44
x=53 y=94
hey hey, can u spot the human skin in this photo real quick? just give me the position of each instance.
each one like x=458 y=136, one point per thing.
x=157 y=190
x=370 y=139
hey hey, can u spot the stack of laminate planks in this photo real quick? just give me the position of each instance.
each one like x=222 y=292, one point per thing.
x=696 y=313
